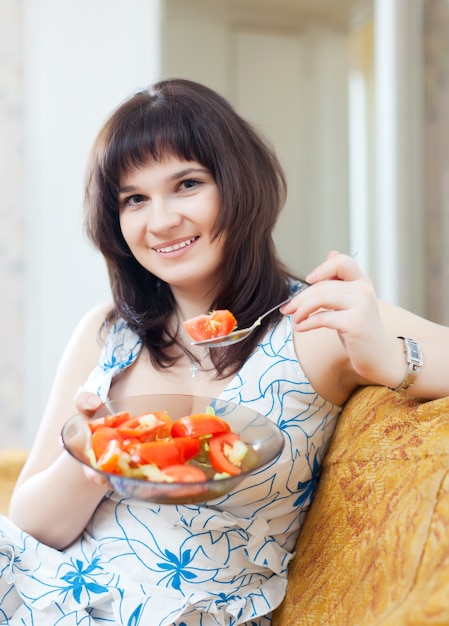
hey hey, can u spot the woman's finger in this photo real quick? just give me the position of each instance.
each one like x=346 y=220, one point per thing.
x=95 y=477
x=87 y=403
x=337 y=266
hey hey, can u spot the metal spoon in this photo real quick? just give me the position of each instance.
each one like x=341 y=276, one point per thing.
x=243 y=333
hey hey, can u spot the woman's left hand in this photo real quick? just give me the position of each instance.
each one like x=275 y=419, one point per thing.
x=342 y=298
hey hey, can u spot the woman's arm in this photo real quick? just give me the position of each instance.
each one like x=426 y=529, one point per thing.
x=53 y=499
x=346 y=337
x=432 y=380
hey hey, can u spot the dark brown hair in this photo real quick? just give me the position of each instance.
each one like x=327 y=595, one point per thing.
x=188 y=120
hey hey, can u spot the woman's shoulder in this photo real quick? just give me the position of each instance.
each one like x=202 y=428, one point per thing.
x=84 y=347
x=95 y=317
x=111 y=334
x=117 y=347
x=101 y=323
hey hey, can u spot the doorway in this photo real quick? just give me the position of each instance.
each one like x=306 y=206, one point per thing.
x=284 y=66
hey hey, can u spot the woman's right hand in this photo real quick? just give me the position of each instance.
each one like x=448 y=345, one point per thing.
x=88 y=403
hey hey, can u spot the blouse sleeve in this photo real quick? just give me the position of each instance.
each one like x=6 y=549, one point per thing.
x=121 y=348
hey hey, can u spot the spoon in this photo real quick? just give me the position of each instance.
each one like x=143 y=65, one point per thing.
x=238 y=335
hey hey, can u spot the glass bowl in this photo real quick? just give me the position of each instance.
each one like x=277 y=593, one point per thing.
x=264 y=438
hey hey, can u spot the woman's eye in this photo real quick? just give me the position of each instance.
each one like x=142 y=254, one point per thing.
x=133 y=200
x=189 y=183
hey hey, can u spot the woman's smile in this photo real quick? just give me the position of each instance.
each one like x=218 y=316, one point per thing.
x=168 y=211
x=174 y=246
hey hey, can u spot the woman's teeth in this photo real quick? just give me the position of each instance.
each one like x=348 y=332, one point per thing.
x=177 y=246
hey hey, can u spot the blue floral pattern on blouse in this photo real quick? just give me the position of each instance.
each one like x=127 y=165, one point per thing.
x=221 y=563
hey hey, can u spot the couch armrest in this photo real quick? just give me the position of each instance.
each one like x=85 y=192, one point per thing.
x=11 y=463
x=374 y=549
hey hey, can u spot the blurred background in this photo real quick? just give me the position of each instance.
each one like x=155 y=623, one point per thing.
x=354 y=95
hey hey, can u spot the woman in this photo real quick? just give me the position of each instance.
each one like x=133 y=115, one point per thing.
x=182 y=197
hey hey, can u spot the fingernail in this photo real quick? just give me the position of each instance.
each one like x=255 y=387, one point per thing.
x=92 y=402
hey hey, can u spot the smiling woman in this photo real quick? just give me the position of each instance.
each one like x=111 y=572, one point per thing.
x=172 y=197
x=182 y=198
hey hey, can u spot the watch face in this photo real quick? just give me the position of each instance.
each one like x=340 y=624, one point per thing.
x=414 y=351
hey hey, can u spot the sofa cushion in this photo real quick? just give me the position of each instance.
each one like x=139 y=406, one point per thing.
x=11 y=463
x=374 y=548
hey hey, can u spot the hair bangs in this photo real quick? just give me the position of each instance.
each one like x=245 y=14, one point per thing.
x=147 y=133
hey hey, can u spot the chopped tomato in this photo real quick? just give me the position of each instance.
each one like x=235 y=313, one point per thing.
x=188 y=447
x=185 y=473
x=153 y=447
x=101 y=438
x=129 y=444
x=109 y=420
x=161 y=453
x=147 y=427
x=199 y=425
x=226 y=452
x=131 y=428
x=109 y=460
x=210 y=325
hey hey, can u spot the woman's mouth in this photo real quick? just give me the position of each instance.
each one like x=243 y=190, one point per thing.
x=173 y=247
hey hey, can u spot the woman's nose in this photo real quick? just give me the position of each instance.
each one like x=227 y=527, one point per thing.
x=162 y=215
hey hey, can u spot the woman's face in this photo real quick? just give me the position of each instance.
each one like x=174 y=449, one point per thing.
x=167 y=212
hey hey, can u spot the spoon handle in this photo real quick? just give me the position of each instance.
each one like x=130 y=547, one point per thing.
x=278 y=306
x=300 y=288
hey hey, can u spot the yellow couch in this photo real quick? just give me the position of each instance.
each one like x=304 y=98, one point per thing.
x=11 y=462
x=374 y=549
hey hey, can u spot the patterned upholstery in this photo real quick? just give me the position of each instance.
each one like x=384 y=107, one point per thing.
x=374 y=548
x=11 y=462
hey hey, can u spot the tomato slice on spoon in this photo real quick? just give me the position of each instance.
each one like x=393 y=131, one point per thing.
x=210 y=325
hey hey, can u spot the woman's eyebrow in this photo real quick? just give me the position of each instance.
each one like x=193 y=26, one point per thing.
x=186 y=172
x=127 y=189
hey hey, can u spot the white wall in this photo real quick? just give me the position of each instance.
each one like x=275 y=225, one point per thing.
x=289 y=79
x=11 y=226
x=81 y=59
x=293 y=87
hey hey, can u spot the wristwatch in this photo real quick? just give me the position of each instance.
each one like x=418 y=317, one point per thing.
x=415 y=361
